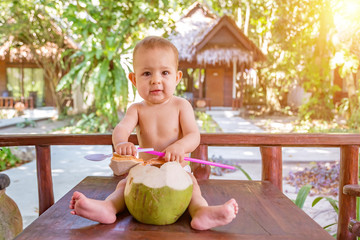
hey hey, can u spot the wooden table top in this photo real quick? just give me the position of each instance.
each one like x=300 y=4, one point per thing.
x=264 y=213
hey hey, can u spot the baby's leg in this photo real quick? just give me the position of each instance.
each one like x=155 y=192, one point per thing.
x=97 y=210
x=204 y=216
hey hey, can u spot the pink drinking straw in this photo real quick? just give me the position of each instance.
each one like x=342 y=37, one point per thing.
x=161 y=154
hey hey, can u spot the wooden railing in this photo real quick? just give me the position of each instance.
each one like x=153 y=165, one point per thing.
x=271 y=153
x=9 y=102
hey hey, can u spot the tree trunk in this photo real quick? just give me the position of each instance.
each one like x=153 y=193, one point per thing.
x=321 y=51
x=51 y=67
x=57 y=98
x=272 y=100
x=353 y=98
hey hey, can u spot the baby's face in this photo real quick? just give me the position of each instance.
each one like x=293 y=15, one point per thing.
x=156 y=74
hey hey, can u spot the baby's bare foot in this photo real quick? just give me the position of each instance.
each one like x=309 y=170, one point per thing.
x=92 y=209
x=214 y=216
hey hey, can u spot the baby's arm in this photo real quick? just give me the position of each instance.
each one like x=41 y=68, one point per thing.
x=122 y=132
x=191 y=135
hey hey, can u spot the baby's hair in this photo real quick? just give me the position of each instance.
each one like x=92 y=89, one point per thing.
x=154 y=42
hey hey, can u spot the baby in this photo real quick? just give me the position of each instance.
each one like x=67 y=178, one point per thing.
x=163 y=122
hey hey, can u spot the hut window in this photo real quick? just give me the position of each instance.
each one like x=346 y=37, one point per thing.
x=26 y=82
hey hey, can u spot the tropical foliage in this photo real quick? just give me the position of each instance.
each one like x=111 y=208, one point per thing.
x=106 y=32
x=306 y=43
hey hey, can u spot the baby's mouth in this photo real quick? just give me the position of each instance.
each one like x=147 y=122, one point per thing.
x=155 y=91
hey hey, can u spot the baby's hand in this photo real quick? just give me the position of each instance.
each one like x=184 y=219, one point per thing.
x=174 y=153
x=125 y=148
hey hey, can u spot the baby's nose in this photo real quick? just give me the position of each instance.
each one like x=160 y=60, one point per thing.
x=155 y=79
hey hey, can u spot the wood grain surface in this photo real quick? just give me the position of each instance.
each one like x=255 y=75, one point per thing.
x=264 y=213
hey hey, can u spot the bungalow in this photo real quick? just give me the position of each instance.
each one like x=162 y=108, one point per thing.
x=21 y=77
x=221 y=54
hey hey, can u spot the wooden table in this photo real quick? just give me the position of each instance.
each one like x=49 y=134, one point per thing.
x=264 y=213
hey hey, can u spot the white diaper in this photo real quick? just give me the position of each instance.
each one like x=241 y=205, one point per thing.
x=187 y=168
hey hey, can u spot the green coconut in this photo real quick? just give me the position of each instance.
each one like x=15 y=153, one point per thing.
x=158 y=196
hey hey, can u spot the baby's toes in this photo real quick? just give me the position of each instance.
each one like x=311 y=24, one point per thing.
x=236 y=208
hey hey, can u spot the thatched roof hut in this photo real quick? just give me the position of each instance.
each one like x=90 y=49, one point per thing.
x=22 y=53
x=218 y=46
x=21 y=70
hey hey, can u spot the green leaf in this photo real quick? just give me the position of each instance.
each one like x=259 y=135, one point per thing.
x=77 y=55
x=316 y=200
x=117 y=78
x=85 y=66
x=110 y=55
x=327 y=226
x=68 y=79
x=104 y=69
x=334 y=204
x=89 y=55
x=244 y=172
x=121 y=82
x=94 y=75
x=358 y=204
x=99 y=53
x=64 y=82
x=302 y=195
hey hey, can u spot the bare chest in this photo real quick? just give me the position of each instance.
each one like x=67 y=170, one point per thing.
x=157 y=126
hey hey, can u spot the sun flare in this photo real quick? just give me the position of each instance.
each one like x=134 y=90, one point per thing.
x=351 y=7
x=347 y=13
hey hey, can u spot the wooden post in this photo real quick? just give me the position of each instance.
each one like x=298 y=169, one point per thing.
x=22 y=80
x=201 y=86
x=242 y=92
x=201 y=171
x=45 y=185
x=349 y=174
x=272 y=165
x=234 y=62
x=31 y=103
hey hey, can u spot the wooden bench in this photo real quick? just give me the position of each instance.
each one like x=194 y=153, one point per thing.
x=271 y=153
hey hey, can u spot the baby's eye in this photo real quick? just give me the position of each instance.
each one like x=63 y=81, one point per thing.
x=165 y=73
x=146 y=74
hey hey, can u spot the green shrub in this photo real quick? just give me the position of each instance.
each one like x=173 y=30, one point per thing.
x=207 y=123
x=26 y=123
x=352 y=117
x=7 y=159
x=90 y=123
